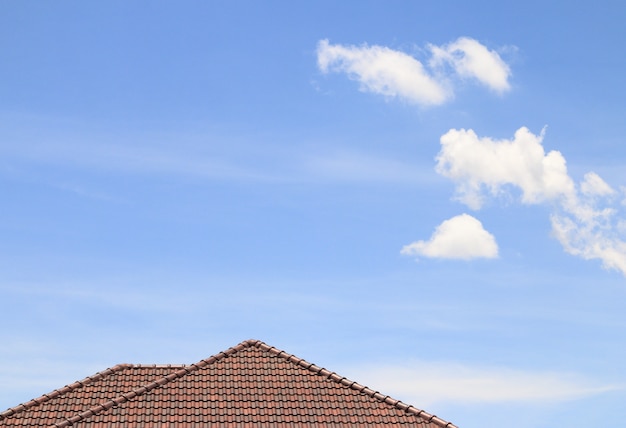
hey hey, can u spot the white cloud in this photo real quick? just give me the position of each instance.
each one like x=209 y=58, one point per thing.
x=471 y=59
x=479 y=164
x=591 y=238
x=594 y=185
x=383 y=71
x=584 y=215
x=461 y=237
x=427 y=383
x=396 y=74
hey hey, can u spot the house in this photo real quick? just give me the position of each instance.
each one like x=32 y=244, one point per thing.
x=249 y=385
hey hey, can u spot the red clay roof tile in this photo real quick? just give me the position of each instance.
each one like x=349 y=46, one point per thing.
x=251 y=384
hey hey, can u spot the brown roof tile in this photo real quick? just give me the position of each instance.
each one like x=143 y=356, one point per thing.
x=251 y=384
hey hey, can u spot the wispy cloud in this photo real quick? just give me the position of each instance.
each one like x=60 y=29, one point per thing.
x=427 y=383
x=584 y=216
x=461 y=237
x=396 y=74
x=383 y=71
x=136 y=158
x=204 y=157
x=353 y=166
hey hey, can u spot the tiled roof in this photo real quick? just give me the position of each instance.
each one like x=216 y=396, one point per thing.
x=251 y=384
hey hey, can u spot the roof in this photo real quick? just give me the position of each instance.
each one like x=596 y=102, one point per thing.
x=251 y=384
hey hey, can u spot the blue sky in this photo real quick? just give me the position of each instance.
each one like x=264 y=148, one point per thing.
x=427 y=198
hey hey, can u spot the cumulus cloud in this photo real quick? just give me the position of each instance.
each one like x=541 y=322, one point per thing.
x=392 y=73
x=471 y=59
x=461 y=237
x=483 y=165
x=433 y=382
x=584 y=216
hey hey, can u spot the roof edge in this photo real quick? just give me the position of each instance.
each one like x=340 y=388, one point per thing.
x=351 y=384
x=67 y=388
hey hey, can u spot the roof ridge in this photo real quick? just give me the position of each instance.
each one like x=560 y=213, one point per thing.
x=60 y=391
x=184 y=370
x=351 y=384
x=158 y=366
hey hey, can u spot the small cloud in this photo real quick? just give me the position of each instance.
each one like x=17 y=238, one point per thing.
x=382 y=71
x=593 y=185
x=395 y=74
x=471 y=59
x=461 y=237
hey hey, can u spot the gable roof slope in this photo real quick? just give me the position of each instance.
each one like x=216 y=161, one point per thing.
x=251 y=384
